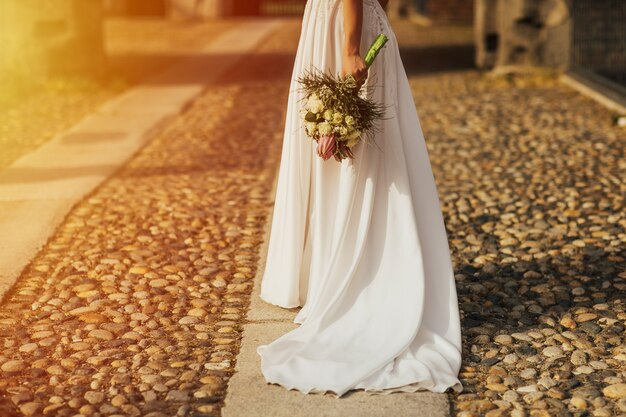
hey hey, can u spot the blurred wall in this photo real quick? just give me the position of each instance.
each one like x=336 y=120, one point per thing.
x=438 y=11
x=41 y=38
x=444 y=11
x=599 y=38
x=450 y=11
x=135 y=7
x=226 y=8
x=183 y=9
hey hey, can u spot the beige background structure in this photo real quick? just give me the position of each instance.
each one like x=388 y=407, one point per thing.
x=40 y=38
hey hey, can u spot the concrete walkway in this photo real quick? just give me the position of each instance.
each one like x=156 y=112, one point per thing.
x=249 y=395
x=39 y=189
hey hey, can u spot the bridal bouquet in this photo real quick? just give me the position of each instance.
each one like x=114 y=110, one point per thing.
x=334 y=114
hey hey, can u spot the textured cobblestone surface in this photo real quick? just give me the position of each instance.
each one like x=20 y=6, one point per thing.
x=531 y=181
x=135 y=305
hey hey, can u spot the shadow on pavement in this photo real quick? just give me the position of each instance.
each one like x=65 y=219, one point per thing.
x=432 y=59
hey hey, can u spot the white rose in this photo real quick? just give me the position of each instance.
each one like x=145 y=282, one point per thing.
x=324 y=128
x=315 y=104
x=310 y=127
x=343 y=131
x=328 y=115
x=337 y=117
x=349 y=120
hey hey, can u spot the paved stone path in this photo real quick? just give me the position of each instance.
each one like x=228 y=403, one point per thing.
x=134 y=306
x=531 y=180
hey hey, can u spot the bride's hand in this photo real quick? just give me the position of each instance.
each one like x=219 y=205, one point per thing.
x=355 y=65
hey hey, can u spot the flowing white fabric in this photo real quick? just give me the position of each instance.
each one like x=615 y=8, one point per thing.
x=360 y=244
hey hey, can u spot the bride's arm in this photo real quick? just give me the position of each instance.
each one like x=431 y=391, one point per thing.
x=353 y=63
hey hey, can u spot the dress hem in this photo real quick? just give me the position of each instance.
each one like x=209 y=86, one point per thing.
x=278 y=304
x=408 y=388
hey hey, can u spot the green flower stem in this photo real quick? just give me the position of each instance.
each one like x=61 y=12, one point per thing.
x=375 y=48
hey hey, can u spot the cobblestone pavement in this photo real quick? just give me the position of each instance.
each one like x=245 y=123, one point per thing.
x=134 y=307
x=31 y=113
x=531 y=180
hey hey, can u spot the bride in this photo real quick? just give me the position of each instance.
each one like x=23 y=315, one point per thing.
x=360 y=244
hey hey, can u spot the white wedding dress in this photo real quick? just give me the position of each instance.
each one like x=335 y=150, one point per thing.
x=360 y=244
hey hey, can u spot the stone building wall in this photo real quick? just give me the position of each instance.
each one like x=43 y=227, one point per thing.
x=437 y=11
x=599 y=38
x=41 y=38
x=450 y=11
x=135 y=7
x=226 y=8
x=182 y=9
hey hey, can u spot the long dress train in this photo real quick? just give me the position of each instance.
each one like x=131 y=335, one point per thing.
x=360 y=245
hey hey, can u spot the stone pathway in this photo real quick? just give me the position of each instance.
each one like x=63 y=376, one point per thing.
x=531 y=180
x=135 y=304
